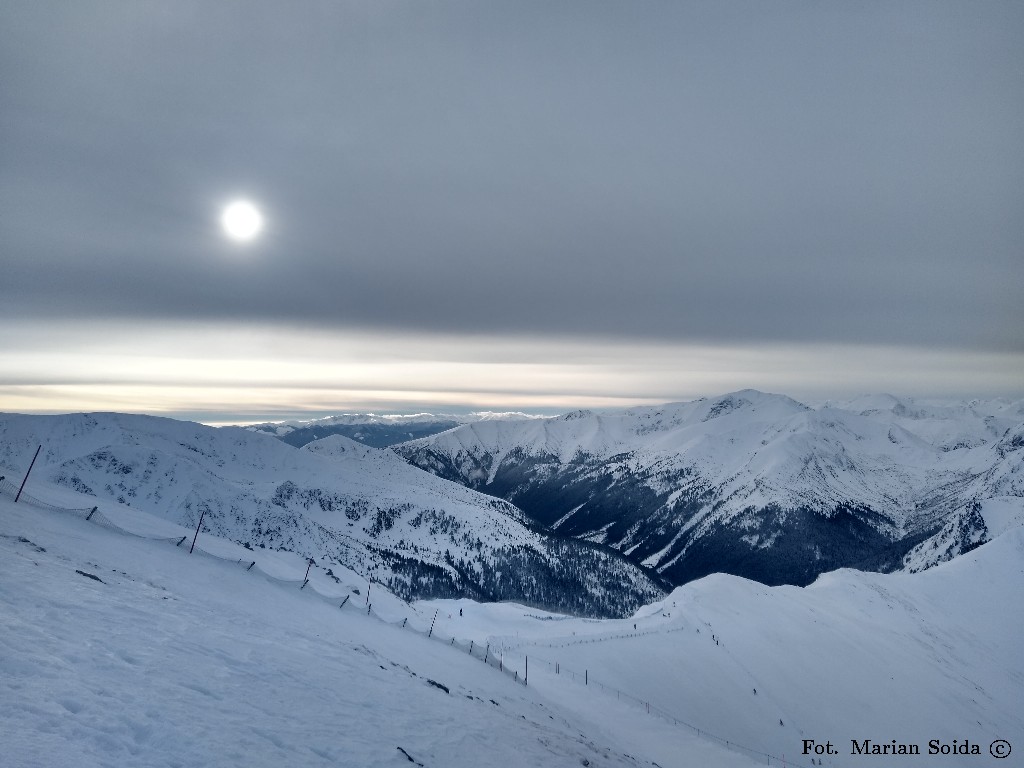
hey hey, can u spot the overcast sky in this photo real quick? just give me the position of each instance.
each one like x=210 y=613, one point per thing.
x=536 y=205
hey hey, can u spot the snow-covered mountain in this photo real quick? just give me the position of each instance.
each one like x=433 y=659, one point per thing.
x=753 y=484
x=378 y=430
x=335 y=500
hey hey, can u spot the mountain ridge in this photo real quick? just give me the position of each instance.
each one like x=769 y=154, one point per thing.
x=749 y=483
x=377 y=430
x=336 y=500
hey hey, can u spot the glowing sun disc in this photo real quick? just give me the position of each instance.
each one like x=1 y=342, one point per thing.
x=241 y=221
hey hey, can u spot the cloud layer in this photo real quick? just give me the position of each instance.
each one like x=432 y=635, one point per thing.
x=692 y=174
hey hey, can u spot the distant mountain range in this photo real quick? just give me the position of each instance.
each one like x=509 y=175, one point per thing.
x=379 y=431
x=335 y=500
x=753 y=484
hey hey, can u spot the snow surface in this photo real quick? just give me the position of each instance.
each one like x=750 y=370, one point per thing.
x=179 y=660
x=911 y=657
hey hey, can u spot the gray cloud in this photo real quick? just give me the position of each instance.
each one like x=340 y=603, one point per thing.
x=695 y=172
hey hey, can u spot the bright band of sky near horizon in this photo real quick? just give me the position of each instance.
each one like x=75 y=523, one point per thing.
x=245 y=374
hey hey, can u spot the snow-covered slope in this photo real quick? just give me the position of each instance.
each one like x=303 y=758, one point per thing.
x=749 y=483
x=117 y=651
x=979 y=508
x=854 y=656
x=172 y=660
x=334 y=500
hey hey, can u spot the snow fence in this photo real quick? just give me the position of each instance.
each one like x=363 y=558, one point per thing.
x=346 y=598
x=493 y=656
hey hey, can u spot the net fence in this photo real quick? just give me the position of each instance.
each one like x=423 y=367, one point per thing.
x=343 y=602
x=7 y=488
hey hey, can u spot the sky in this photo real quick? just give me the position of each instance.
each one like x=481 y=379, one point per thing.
x=507 y=206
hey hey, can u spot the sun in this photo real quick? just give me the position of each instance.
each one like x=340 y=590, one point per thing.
x=241 y=221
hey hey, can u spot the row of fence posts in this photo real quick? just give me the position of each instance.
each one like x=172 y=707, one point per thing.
x=305 y=578
x=369 y=606
x=305 y=581
x=501 y=657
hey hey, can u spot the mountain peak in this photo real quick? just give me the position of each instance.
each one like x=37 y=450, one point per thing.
x=750 y=399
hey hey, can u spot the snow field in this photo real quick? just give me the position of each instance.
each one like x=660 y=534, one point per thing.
x=911 y=657
x=178 y=660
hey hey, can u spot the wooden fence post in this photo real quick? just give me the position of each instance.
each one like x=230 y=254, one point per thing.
x=26 y=474
x=197 y=532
